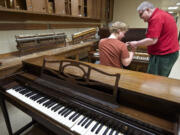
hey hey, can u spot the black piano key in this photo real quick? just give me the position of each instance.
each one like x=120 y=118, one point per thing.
x=47 y=103
x=81 y=120
x=112 y=130
x=70 y=111
x=62 y=110
x=30 y=94
x=50 y=105
x=95 y=126
x=116 y=133
x=54 y=107
x=27 y=93
x=33 y=96
x=57 y=107
x=105 y=132
x=76 y=117
x=73 y=116
x=38 y=97
x=87 y=125
x=22 y=91
x=99 y=128
x=18 y=88
x=42 y=100
x=85 y=121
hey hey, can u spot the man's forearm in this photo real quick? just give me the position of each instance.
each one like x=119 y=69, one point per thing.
x=146 y=42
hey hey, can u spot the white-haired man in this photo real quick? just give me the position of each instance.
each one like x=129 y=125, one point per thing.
x=161 y=39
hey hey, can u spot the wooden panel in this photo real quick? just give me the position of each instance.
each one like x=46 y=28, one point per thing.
x=60 y=6
x=22 y=15
x=98 y=9
x=90 y=8
x=103 y=9
x=29 y=26
x=59 y=26
x=81 y=7
x=111 y=8
x=3 y=3
x=68 y=7
x=29 y=5
x=75 y=7
x=19 y=4
x=39 y=5
x=21 y=26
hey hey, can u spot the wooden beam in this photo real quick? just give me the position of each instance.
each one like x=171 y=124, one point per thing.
x=40 y=26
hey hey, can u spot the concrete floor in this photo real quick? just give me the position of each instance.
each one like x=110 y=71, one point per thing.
x=18 y=118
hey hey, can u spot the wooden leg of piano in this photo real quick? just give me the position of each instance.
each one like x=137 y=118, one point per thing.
x=6 y=116
x=178 y=126
x=7 y=121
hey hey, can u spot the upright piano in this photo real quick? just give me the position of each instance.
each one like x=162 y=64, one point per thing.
x=76 y=98
x=141 y=57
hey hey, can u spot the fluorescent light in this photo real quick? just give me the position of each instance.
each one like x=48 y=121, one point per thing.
x=171 y=8
x=178 y=3
x=171 y=12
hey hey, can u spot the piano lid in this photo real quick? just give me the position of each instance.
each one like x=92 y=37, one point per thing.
x=142 y=83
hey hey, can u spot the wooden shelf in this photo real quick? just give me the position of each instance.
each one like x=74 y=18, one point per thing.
x=23 y=15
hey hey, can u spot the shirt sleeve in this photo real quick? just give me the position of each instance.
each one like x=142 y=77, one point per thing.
x=124 y=52
x=154 y=27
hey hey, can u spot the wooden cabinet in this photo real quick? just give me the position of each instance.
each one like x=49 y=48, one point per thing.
x=75 y=7
x=37 y=5
x=100 y=9
x=92 y=9
x=107 y=7
x=60 y=7
x=29 y=5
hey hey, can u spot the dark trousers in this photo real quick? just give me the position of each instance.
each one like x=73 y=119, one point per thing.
x=162 y=64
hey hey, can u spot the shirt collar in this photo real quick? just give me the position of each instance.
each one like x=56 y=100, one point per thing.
x=112 y=36
x=156 y=10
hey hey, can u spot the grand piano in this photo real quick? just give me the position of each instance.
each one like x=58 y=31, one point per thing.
x=71 y=97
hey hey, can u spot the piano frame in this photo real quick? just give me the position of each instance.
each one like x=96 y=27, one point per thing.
x=57 y=128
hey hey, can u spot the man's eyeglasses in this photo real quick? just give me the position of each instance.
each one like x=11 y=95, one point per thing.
x=140 y=14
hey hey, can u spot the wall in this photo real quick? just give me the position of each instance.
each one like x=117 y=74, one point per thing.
x=125 y=11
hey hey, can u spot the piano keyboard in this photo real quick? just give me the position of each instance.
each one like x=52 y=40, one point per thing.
x=143 y=58
x=63 y=114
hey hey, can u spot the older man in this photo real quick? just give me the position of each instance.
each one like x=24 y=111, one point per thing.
x=161 y=39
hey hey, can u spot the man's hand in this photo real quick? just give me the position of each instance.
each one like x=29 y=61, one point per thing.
x=133 y=43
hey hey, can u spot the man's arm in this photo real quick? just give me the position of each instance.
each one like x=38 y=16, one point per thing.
x=144 y=42
x=127 y=61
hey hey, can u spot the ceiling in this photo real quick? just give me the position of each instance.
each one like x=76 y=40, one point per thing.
x=164 y=4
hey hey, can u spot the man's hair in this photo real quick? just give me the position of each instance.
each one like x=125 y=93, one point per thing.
x=118 y=26
x=144 y=5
